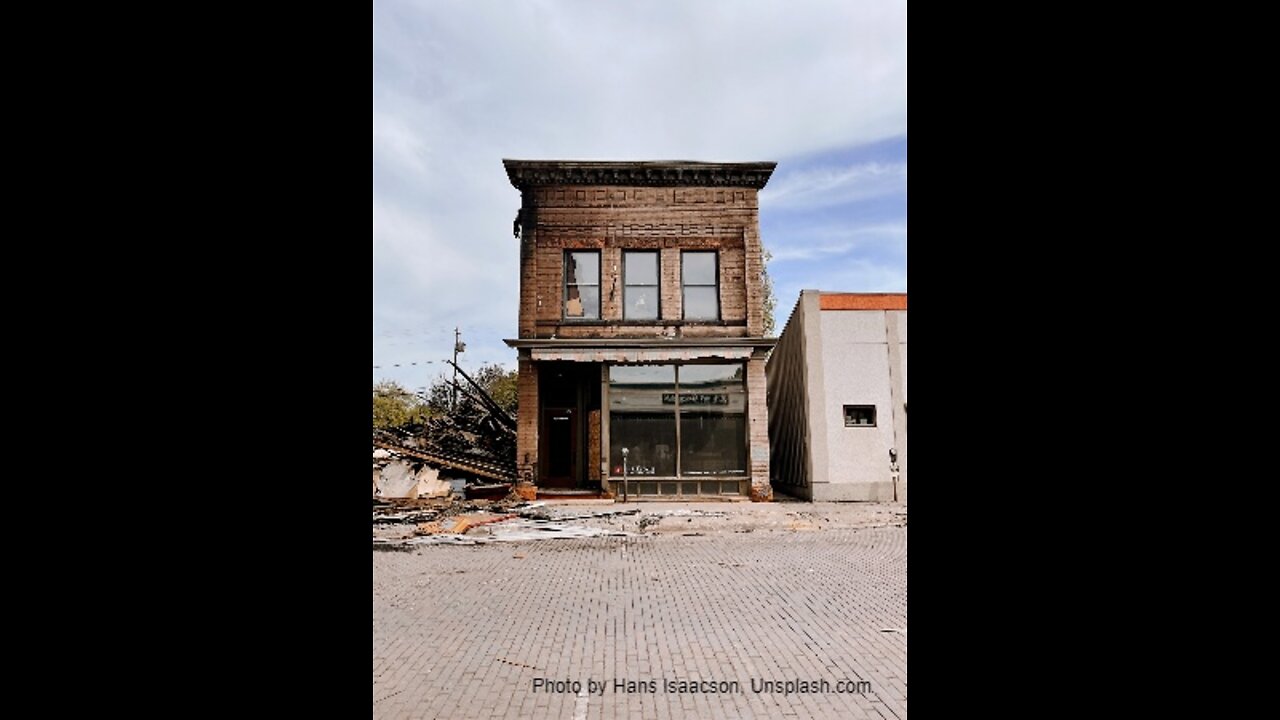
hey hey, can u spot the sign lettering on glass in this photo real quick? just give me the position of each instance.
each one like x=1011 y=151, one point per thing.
x=696 y=399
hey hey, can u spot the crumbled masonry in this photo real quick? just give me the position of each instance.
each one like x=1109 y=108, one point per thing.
x=476 y=441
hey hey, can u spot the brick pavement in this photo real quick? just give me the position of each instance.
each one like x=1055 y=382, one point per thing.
x=463 y=631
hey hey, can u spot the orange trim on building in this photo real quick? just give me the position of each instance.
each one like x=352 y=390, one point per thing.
x=862 y=301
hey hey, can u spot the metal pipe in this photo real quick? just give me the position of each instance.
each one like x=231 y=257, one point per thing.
x=624 y=474
x=893 y=471
x=457 y=347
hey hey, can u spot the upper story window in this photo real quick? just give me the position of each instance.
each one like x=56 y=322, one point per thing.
x=582 y=284
x=698 y=278
x=639 y=285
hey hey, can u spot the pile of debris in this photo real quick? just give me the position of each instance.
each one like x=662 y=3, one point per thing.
x=409 y=511
x=474 y=442
x=396 y=475
x=402 y=525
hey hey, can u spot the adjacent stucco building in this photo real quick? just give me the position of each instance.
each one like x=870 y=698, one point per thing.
x=641 y=326
x=838 y=398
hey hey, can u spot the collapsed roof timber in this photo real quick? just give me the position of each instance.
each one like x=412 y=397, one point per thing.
x=476 y=439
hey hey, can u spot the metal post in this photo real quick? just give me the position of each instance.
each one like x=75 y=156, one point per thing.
x=624 y=474
x=458 y=346
x=893 y=471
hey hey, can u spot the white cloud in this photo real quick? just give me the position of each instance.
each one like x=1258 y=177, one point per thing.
x=829 y=241
x=461 y=84
x=658 y=80
x=395 y=142
x=855 y=275
x=825 y=186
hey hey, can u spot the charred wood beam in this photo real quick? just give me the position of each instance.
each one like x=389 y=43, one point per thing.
x=451 y=461
x=488 y=401
x=494 y=412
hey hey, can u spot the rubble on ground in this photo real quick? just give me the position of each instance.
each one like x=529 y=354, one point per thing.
x=410 y=511
x=474 y=443
x=400 y=477
x=450 y=521
x=520 y=530
x=455 y=521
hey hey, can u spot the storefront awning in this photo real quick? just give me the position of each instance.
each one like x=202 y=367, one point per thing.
x=633 y=354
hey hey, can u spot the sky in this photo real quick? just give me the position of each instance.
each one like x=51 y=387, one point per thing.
x=817 y=86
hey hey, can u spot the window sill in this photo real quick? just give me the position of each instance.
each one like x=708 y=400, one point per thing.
x=643 y=323
x=684 y=478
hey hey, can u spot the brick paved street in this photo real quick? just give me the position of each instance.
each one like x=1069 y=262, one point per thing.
x=465 y=631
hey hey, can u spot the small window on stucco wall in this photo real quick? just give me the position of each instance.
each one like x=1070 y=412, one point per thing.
x=859 y=415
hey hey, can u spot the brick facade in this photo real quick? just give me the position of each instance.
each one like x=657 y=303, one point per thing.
x=758 y=427
x=527 y=420
x=665 y=207
x=730 y=230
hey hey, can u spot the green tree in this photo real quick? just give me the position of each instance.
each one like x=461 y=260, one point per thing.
x=770 y=299
x=439 y=396
x=393 y=406
x=500 y=384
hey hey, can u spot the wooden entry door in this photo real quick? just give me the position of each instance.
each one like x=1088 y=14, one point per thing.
x=561 y=447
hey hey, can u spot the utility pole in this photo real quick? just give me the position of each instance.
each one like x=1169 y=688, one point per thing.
x=458 y=346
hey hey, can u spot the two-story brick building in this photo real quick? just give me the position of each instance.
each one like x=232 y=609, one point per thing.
x=642 y=327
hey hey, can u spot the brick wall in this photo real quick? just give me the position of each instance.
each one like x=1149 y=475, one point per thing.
x=711 y=207
x=528 y=276
x=527 y=419
x=614 y=219
x=758 y=430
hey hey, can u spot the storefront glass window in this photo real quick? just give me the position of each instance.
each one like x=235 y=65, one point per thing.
x=713 y=420
x=640 y=422
x=643 y=401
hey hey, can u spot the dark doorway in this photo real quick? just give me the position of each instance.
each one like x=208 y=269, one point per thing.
x=568 y=394
x=560 y=448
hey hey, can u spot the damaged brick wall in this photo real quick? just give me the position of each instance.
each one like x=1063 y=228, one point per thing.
x=527 y=420
x=668 y=207
x=758 y=429
x=614 y=219
x=593 y=446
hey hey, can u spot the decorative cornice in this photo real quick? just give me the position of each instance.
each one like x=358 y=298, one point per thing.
x=535 y=173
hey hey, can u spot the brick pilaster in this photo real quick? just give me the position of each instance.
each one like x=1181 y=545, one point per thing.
x=758 y=430
x=527 y=420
